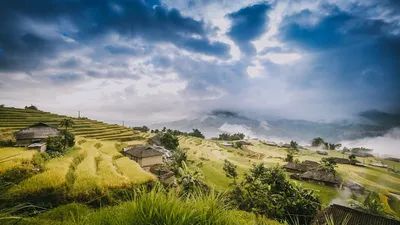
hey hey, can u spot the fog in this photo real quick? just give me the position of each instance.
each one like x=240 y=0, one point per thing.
x=389 y=144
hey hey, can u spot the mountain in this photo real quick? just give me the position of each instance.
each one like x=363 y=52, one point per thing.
x=365 y=124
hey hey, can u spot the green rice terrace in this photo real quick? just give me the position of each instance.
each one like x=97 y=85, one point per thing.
x=71 y=188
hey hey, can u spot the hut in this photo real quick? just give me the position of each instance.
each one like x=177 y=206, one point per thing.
x=341 y=160
x=145 y=156
x=340 y=214
x=156 y=140
x=37 y=133
x=378 y=164
x=38 y=146
x=322 y=177
x=300 y=167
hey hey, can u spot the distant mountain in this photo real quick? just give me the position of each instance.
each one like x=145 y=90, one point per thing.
x=366 y=124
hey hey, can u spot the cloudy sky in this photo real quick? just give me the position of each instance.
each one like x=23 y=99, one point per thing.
x=149 y=61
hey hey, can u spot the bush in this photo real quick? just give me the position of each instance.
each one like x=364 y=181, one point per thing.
x=7 y=143
x=267 y=192
x=39 y=159
x=169 y=141
x=31 y=107
x=70 y=138
x=55 y=144
x=196 y=133
x=231 y=137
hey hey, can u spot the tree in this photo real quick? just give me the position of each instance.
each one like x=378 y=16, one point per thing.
x=2 y=106
x=164 y=129
x=238 y=144
x=169 y=141
x=352 y=158
x=294 y=145
x=371 y=204
x=230 y=170
x=67 y=122
x=69 y=138
x=316 y=142
x=289 y=157
x=196 y=133
x=55 y=144
x=267 y=191
x=328 y=164
x=31 y=107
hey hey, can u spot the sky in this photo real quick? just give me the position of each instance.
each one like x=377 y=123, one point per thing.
x=150 y=61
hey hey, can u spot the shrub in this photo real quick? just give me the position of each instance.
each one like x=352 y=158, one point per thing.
x=39 y=159
x=169 y=141
x=31 y=107
x=70 y=138
x=196 y=133
x=7 y=143
x=55 y=144
x=267 y=192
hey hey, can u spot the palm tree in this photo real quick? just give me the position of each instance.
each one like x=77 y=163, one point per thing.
x=67 y=122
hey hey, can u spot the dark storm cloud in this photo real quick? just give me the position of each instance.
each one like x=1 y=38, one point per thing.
x=248 y=24
x=354 y=53
x=84 y=21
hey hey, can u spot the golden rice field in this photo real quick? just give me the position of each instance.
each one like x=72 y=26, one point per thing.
x=98 y=170
x=14 y=157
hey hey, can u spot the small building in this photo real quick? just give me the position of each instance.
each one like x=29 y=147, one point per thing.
x=322 y=152
x=341 y=160
x=38 y=146
x=339 y=214
x=145 y=156
x=394 y=159
x=378 y=164
x=300 y=167
x=37 y=133
x=322 y=177
x=271 y=143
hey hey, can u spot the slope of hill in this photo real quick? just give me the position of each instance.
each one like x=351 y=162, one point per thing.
x=13 y=119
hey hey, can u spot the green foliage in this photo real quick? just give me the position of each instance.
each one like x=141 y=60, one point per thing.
x=371 y=204
x=328 y=164
x=190 y=181
x=55 y=144
x=178 y=158
x=230 y=170
x=7 y=143
x=231 y=137
x=143 y=129
x=317 y=142
x=31 y=107
x=353 y=159
x=169 y=141
x=70 y=138
x=238 y=145
x=267 y=192
x=196 y=133
x=294 y=145
x=40 y=159
x=289 y=157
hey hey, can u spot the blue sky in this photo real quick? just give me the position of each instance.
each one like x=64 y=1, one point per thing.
x=152 y=61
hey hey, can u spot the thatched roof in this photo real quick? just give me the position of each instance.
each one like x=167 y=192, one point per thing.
x=141 y=151
x=356 y=217
x=156 y=140
x=37 y=131
x=322 y=176
x=301 y=167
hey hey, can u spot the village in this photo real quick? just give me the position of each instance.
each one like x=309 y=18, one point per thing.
x=154 y=157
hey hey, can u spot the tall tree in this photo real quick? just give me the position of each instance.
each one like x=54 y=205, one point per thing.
x=67 y=122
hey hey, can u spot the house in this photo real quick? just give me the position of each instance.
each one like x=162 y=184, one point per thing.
x=145 y=156
x=340 y=213
x=271 y=143
x=341 y=160
x=300 y=167
x=322 y=177
x=37 y=133
x=322 y=152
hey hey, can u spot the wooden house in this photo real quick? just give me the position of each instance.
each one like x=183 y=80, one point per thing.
x=37 y=133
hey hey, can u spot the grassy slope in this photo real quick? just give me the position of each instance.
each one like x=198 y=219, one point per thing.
x=209 y=155
x=13 y=119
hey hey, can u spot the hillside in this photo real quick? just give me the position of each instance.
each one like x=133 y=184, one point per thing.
x=13 y=119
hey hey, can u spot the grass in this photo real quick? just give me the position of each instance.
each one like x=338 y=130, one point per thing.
x=49 y=180
x=109 y=177
x=14 y=157
x=154 y=207
x=132 y=171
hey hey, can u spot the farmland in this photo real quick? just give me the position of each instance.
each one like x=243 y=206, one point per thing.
x=95 y=166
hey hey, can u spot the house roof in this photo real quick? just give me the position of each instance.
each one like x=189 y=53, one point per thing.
x=141 y=151
x=37 y=131
x=356 y=217
x=321 y=175
x=302 y=167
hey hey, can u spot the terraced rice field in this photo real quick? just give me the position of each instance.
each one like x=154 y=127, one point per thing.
x=13 y=119
x=98 y=170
